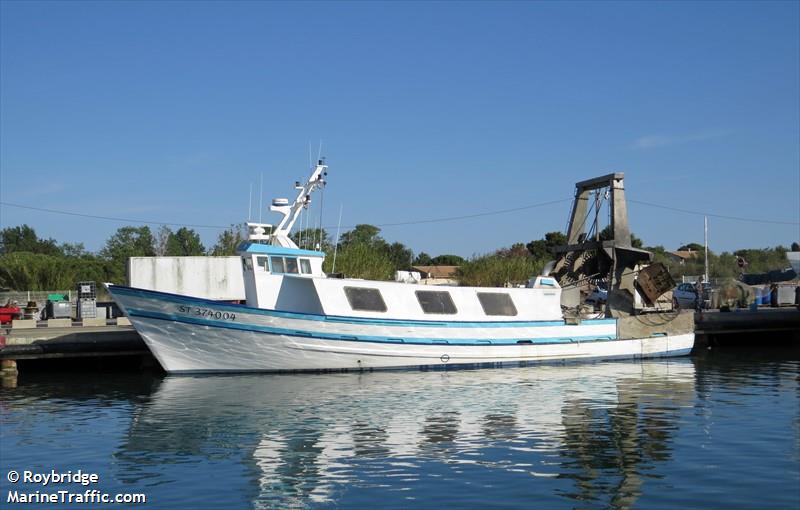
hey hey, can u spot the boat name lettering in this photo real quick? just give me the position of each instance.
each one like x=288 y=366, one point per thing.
x=207 y=313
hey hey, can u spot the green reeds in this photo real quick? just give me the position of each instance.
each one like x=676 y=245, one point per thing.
x=498 y=271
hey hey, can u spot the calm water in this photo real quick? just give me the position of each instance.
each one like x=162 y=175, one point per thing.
x=717 y=431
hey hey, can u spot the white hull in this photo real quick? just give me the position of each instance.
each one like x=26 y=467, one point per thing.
x=189 y=348
x=184 y=341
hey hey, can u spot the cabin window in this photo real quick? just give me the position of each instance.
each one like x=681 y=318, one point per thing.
x=305 y=266
x=436 y=301
x=368 y=300
x=284 y=265
x=263 y=263
x=496 y=303
x=247 y=263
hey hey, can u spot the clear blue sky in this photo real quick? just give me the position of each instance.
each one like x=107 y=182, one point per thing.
x=170 y=111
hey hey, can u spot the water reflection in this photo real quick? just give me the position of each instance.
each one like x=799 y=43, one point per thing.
x=594 y=430
x=611 y=448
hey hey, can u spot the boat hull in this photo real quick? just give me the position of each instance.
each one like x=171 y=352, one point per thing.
x=190 y=335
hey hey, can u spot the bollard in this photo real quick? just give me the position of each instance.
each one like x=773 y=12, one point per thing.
x=8 y=366
x=8 y=380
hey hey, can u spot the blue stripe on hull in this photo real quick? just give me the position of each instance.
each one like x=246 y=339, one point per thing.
x=177 y=298
x=472 y=342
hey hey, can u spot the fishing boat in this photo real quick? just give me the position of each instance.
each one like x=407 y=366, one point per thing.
x=297 y=318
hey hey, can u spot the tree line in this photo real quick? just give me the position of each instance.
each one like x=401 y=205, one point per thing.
x=28 y=262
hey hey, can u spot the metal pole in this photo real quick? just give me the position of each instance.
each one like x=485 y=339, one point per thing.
x=260 y=196
x=596 y=215
x=336 y=245
x=705 y=230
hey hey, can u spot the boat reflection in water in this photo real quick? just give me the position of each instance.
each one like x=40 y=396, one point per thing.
x=587 y=433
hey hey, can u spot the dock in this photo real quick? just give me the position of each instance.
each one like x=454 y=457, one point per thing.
x=762 y=320
x=760 y=327
x=69 y=345
x=66 y=342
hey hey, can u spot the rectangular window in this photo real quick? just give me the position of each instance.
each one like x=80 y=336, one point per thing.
x=263 y=263
x=291 y=265
x=277 y=265
x=495 y=303
x=368 y=300
x=305 y=266
x=247 y=262
x=436 y=301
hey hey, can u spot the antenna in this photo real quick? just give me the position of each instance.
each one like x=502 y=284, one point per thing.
x=705 y=231
x=300 y=234
x=261 y=197
x=336 y=246
x=314 y=231
x=307 y=214
x=250 y=204
x=319 y=221
x=321 y=205
x=319 y=152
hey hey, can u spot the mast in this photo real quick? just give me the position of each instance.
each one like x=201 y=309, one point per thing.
x=290 y=212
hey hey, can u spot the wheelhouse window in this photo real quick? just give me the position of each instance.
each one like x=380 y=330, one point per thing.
x=286 y=265
x=364 y=299
x=263 y=263
x=497 y=303
x=305 y=266
x=291 y=265
x=436 y=302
